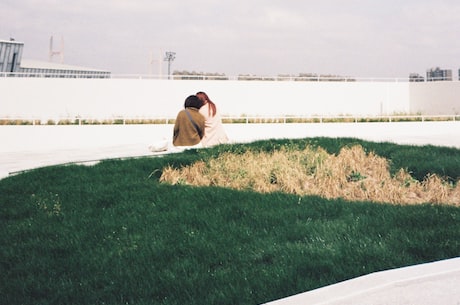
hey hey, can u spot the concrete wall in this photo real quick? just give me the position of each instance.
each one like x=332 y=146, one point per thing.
x=435 y=98
x=46 y=98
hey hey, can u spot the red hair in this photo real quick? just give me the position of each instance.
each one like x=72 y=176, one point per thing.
x=205 y=98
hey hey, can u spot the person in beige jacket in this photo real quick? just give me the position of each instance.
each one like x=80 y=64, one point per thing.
x=214 y=130
x=189 y=127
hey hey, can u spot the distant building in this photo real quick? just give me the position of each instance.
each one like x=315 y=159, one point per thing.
x=32 y=68
x=10 y=55
x=437 y=74
x=12 y=64
x=415 y=77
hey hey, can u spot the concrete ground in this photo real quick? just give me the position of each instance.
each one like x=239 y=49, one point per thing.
x=28 y=147
x=426 y=284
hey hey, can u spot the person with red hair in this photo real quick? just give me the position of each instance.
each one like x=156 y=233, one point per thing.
x=214 y=130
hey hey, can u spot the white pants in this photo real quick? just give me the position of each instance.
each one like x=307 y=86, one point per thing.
x=182 y=148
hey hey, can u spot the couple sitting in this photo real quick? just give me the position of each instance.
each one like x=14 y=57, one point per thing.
x=198 y=124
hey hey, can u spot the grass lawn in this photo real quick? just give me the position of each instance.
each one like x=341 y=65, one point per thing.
x=114 y=234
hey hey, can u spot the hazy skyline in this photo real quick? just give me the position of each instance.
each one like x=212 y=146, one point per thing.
x=361 y=38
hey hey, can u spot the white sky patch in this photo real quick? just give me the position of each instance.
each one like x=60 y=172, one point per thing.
x=285 y=19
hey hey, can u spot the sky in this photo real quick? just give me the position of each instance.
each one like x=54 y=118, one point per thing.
x=358 y=38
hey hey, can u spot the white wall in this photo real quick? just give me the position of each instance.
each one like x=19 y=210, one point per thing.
x=308 y=98
x=436 y=98
x=52 y=98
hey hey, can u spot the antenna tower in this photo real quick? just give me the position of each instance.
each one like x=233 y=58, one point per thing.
x=59 y=52
x=153 y=61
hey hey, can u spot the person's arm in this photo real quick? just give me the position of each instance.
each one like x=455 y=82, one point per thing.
x=176 y=127
x=202 y=126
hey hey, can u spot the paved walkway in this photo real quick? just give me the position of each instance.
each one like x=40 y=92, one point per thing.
x=426 y=284
x=27 y=147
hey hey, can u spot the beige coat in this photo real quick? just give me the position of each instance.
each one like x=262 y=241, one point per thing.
x=215 y=132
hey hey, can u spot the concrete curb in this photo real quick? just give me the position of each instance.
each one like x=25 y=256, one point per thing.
x=430 y=283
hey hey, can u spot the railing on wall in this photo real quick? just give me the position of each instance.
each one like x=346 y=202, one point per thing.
x=56 y=74
x=278 y=119
x=298 y=78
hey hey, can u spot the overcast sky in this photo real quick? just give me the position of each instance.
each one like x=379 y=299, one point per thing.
x=360 y=38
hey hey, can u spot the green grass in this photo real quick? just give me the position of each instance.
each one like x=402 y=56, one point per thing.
x=112 y=234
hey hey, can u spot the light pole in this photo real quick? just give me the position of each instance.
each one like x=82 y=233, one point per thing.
x=169 y=57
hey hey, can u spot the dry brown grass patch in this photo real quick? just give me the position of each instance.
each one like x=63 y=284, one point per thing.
x=353 y=174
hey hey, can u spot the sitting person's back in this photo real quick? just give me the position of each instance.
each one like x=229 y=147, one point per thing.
x=189 y=126
x=215 y=133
